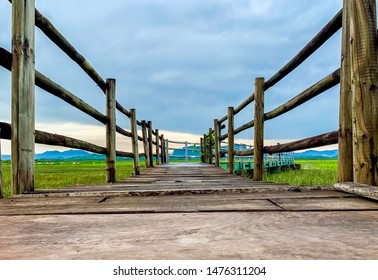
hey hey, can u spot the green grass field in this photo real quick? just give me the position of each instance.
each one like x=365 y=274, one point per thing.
x=57 y=174
x=312 y=173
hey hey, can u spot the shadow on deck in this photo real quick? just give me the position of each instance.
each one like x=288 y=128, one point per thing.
x=189 y=211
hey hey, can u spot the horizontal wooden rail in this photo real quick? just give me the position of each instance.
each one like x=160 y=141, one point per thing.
x=46 y=138
x=50 y=86
x=313 y=91
x=307 y=143
x=324 y=34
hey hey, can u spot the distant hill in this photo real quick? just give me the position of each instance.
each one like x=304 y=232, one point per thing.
x=193 y=151
x=66 y=155
x=312 y=154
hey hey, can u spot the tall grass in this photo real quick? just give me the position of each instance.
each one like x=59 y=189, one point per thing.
x=58 y=174
x=312 y=173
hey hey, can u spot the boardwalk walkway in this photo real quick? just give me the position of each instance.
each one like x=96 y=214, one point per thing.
x=188 y=212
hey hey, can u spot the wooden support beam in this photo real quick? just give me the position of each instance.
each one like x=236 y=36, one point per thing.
x=364 y=68
x=216 y=142
x=111 y=131
x=205 y=160
x=210 y=146
x=258 y=172
x=150 y=147
x=23 y=95
x=230 y=117
x=345 y=157
x=202 y=150
x=163 y=152
x=167 y=150
x=157 y=147
x=134 y=142
x=145 y=144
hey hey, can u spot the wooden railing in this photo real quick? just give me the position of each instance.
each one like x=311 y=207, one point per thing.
x=357 y=135
x=24 y=79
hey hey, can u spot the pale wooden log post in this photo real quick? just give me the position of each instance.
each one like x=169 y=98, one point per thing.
x=258 y=171
x=145 y=144
x=210 y=146
x=111 y=131
x=345 y=158
x=230 y=140
x=157 y=140
x=134 y=141
x=202 y=150
x=216 y=142
x=163 y=160
x=205 y=144
x=364 y=68
x=150 y=146
x=23 y=96
x=167 y=150
x=1 y=172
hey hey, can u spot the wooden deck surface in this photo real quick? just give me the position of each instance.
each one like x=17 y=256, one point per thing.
x=188 y=212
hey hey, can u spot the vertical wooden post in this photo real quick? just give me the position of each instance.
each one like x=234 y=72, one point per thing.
x=167 y=150
x=345 y=158
x=150 y=146
x=202 y=151
x=210 y=146
x=1 y=172
x=364 y=68
x=145 y=144
x=205 y=148
x=216 y=142
x=163 y=160
x=157 y=146
x=258 y=171
x=23 y=95
x=110 y=131
x=134 y=141
x=231 y=140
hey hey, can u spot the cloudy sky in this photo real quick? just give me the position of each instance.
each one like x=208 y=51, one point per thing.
x=182 y=63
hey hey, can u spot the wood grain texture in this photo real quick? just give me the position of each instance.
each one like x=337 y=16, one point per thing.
x=345 y=148
x=364 y=67
x=216 y=142
x=150 y=144
x=23 y=95
x=258 y=172
x=134 y=142
x=231 y=147
x=111 y=131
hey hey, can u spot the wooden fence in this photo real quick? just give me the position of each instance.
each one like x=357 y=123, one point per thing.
x=357 y=135
x=24 y=79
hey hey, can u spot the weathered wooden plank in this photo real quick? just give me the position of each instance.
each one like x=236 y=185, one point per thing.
x=210 y=147
x=258 y=172
x=364 y=68
x=23 y=95
x=145 y=143
x=345 y=148
x=134 y=142
x=111 y=131
x=231 y=147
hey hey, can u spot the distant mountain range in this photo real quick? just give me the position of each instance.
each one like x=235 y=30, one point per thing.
x=83 y=155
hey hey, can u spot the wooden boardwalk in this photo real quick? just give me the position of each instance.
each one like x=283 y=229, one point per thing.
x=188 y=212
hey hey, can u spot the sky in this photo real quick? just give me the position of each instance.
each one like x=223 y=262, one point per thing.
x=181 y=64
